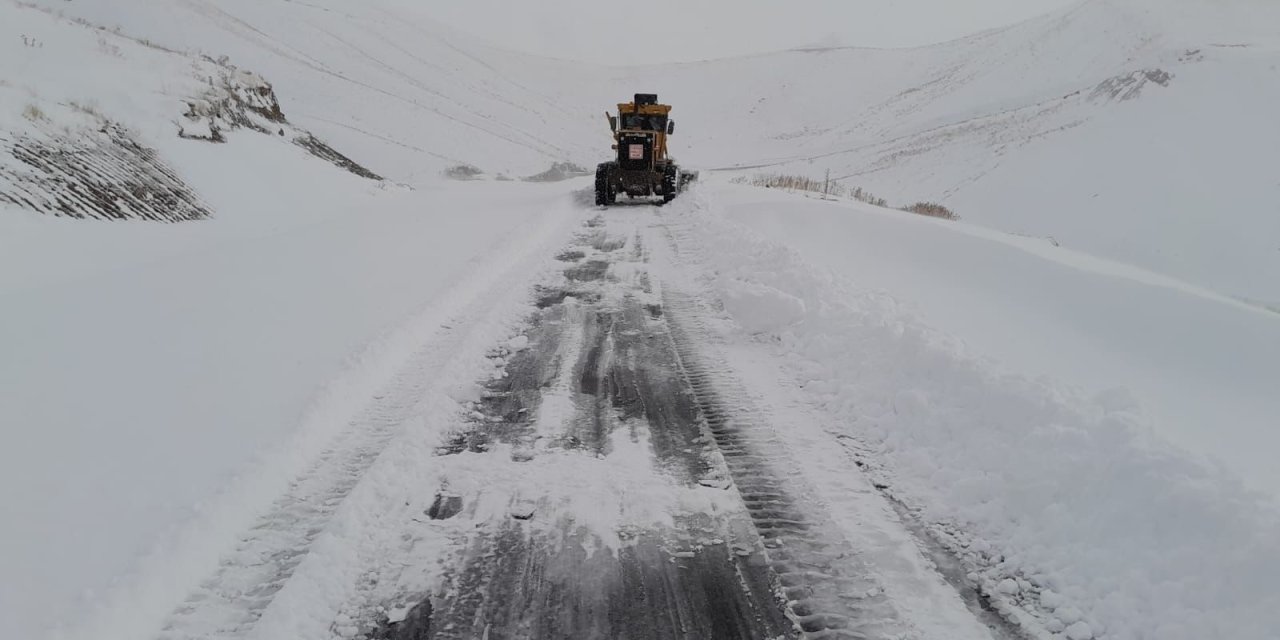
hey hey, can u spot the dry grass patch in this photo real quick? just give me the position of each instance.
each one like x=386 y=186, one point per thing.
x=932 y=209
x=34 y=113
x=463 y=172
x=833 y=188
x=825 y=186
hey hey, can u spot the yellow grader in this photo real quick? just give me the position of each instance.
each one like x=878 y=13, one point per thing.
x=641 y=167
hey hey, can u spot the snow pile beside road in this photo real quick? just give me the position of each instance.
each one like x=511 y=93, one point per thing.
x=1202 y=365
x=1065 y=508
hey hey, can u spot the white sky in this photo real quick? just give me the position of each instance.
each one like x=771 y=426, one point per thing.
x=685 y=30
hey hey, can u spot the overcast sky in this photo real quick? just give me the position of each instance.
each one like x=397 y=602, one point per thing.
x=684 y=30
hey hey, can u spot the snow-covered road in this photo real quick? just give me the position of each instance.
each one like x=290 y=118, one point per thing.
x=645 y=422
x=608 y=485
x=605 y=475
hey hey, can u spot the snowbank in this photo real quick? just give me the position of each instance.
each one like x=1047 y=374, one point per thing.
x=1065 y=504
x=1201 y=365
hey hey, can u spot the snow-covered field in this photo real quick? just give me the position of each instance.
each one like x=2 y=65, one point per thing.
x=1074 y=388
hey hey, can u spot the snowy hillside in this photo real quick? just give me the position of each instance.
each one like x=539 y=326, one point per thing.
x=223 y=417
x=379 y=80
x=1137 y=130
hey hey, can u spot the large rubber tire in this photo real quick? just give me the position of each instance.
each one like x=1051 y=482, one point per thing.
x=670 y=182
x=605 y=195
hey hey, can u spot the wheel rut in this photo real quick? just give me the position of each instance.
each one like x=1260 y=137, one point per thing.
x=600 y=345
x=620 y=370
x=828 y=593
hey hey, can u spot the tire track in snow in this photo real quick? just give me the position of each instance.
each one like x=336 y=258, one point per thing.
x=829 y=593
x=588 y=518
x=249 y=579
x=232 y=601
x=917 y=576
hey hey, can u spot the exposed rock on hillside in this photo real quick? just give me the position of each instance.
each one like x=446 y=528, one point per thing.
x=240 y=99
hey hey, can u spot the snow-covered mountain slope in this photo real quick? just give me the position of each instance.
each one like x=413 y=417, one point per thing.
x=379 y=80
x=1137 y=130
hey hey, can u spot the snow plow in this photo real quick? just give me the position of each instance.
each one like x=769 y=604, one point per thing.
x=641 y=167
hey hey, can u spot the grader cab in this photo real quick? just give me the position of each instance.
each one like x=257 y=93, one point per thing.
x=641 y=167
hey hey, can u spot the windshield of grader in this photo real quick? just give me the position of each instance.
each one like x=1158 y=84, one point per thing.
x=637 y=122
